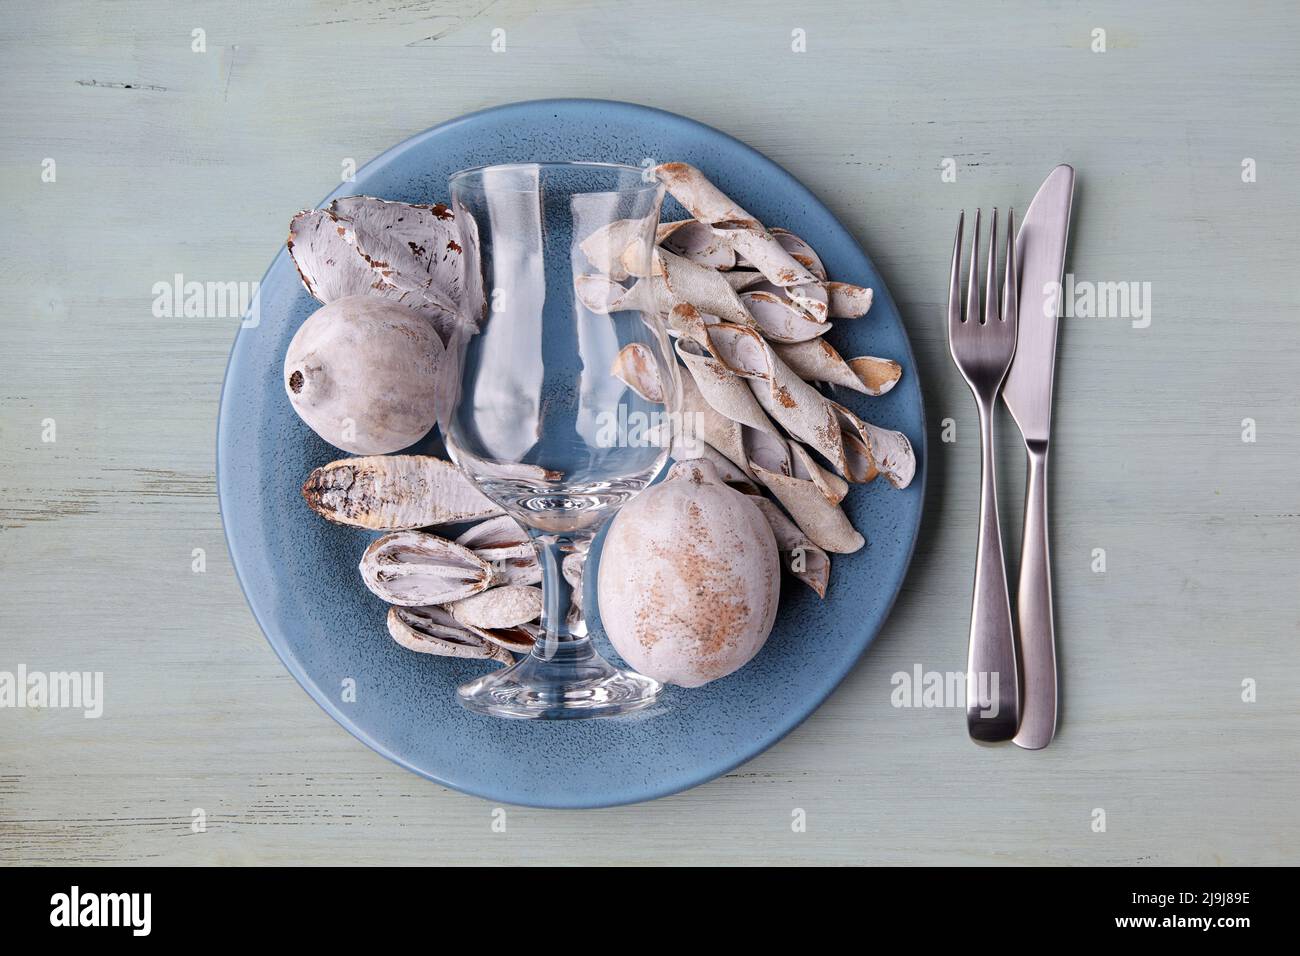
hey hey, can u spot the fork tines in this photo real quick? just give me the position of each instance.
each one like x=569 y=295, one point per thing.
x=1004 y=306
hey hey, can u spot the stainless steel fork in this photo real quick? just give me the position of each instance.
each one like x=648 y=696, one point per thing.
x=982 y=345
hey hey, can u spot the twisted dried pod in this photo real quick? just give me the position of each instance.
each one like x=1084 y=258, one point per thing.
x=395 y=493
x=415 y=569
x=779 y=320
x=857 y=450
x=501 y=607
x=698 y=242
x=745 y=457
x=746 y=235
x=432 y=630
x=800 y=556
x=818 y=361
x=800 y=251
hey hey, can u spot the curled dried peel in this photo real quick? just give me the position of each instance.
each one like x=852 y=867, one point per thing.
x=394 y=493
x=746 y=235
x=415 y=569
x=704 y=288
x=845 y=301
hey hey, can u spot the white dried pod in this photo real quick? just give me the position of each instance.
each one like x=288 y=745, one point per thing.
x=363 y=374
x=818 y=361
x=698 y=242
x=743 y=280
x=800 y=251
x=702 y=287
x=432 y=630
x=746 y=235
x=518 y=639
x=324 y=248
x=605 y=248
x=415 y=569
x=412 y=246
x=779 y=320
x=395 y=493
x=823 y=521
x=636 y=367
x=506 y=606
x=845 y=301
x=502 y=543
x=689 y=578
x=803 y=559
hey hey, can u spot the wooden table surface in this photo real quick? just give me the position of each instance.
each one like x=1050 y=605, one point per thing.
x=135 y=149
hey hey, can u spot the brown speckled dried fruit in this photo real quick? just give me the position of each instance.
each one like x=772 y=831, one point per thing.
x=689 y=578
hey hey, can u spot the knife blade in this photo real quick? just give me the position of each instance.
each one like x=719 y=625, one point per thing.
x=1040 y=252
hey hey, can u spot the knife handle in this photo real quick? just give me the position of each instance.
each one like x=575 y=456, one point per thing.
x=1034 y=612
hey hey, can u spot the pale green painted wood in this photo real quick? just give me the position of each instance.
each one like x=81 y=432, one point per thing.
x=196 y=168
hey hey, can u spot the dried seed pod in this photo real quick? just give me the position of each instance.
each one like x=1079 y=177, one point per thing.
x=324 y=248
x=689 y=578
x=502 y=543
x=746 y=235
x=800 y=251
x=414 y=569
x=698 y=242
x=363 y=374
x=501 y=607
x=779 y=320
x=432 y=630
x=410 y=247
x=846 y=301
x=818 y=361
x=803 y=559
x=518 y=639
x=395 y=493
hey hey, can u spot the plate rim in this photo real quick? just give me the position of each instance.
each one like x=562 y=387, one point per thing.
x=765 y=742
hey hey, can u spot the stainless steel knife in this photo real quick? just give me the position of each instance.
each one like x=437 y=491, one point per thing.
x=1040 y=251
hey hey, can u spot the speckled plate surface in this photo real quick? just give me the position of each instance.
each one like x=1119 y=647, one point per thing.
x=299 y=572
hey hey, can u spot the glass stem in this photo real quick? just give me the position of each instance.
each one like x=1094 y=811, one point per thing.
x=562 y=558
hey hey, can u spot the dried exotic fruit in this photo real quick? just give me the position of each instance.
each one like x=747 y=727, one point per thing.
x=395 y=493
x=689 y=578
x=432 y=630
x=363 y=374
x=414 y=569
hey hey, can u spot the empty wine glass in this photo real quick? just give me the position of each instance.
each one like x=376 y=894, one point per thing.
x=542 y=425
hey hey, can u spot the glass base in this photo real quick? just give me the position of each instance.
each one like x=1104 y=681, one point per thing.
x=574 y=683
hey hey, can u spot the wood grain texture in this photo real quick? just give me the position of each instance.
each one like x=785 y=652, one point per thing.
x=171 y=161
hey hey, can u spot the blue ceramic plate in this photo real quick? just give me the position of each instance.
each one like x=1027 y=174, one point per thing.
x=300 y=573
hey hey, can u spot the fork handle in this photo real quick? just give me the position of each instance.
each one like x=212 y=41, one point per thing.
x=1034 y=611
x=992 y=678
